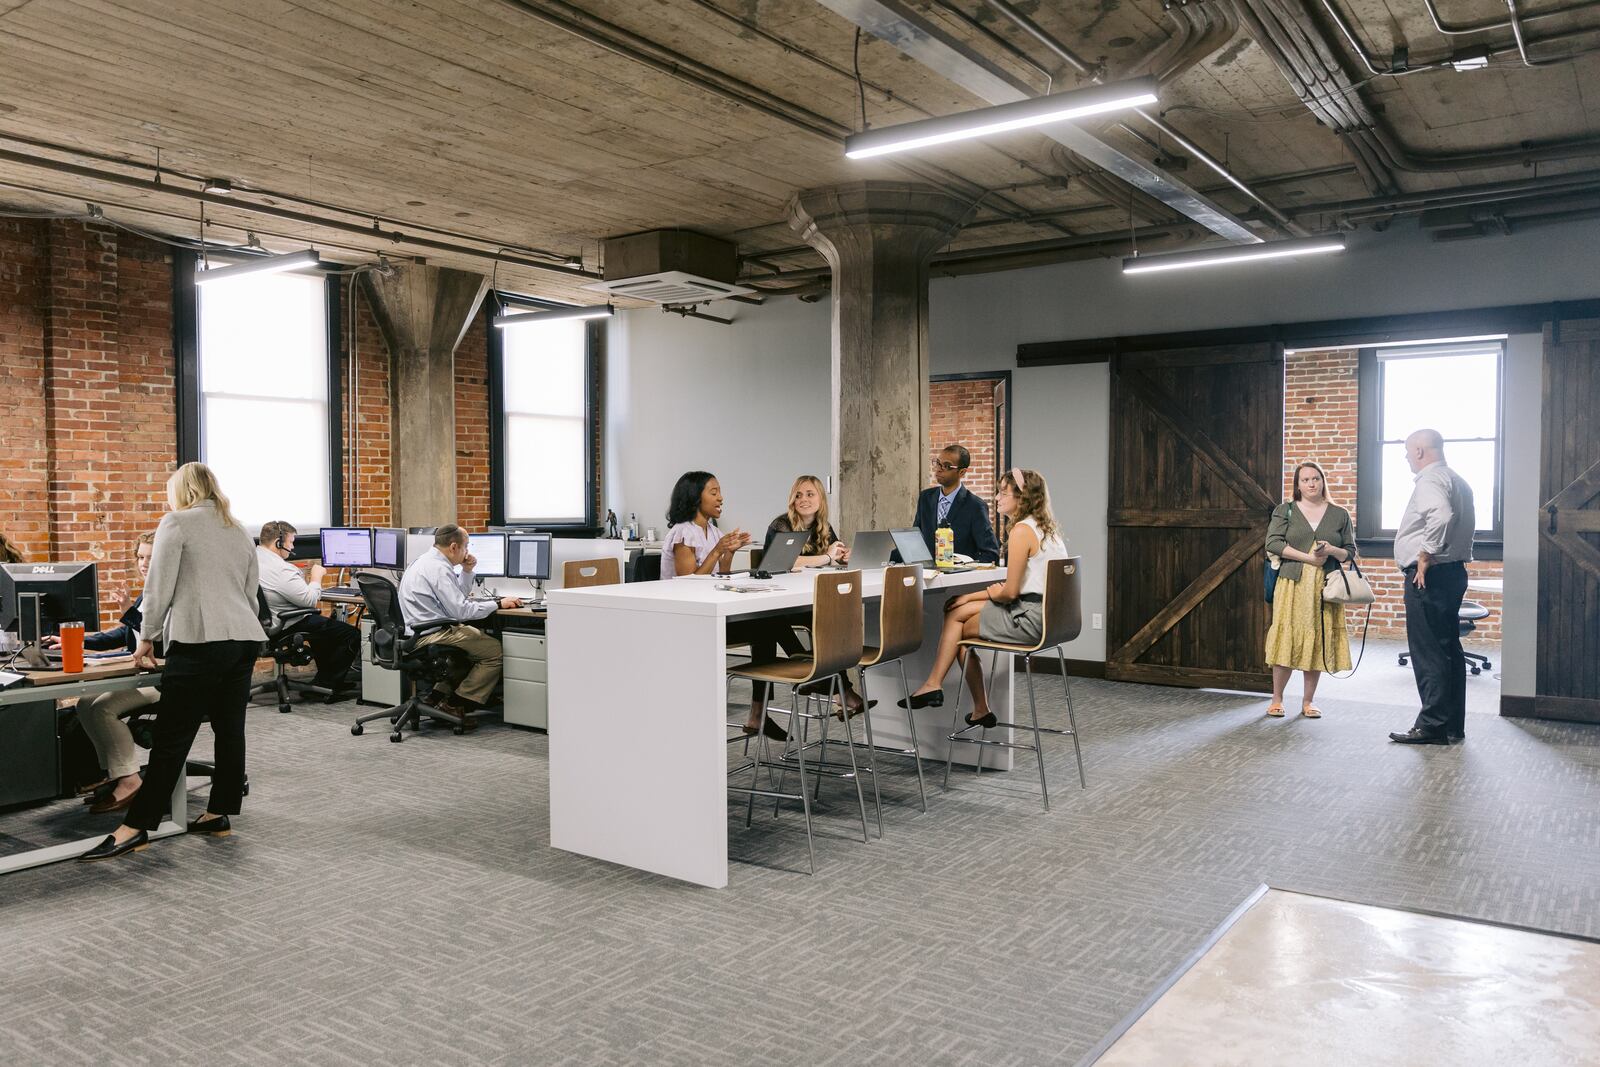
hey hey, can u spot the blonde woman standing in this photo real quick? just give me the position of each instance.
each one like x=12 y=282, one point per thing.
x=1311 y=535
x=200 y=600
x=1011 y=611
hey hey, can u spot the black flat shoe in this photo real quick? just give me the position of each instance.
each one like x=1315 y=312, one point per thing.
x=218 y=826
x=988 y=722
x=933 y=699
x=1416 y=736
x=773 y=730
x=109 y=849
x=838 y=713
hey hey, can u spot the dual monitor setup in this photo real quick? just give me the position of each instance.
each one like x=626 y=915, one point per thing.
x=499 y=554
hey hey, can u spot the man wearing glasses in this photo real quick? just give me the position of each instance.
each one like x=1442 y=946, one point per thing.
x=951 y=504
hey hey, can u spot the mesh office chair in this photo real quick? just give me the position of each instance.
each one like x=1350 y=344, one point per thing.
x=422 y=666
x=1063 y=621
x=287 y=648
x=647 y=568
x=1470 y=613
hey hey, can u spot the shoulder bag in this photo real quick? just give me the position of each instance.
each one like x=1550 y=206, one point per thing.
x=1347 y=585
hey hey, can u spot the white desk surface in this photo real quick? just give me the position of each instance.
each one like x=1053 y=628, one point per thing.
x=700 y=596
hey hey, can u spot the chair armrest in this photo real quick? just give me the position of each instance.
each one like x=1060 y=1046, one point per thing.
x=420 y=628
x=295 y=614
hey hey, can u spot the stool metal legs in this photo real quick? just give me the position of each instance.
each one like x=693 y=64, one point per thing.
x=803 y=794
x=1072 y=720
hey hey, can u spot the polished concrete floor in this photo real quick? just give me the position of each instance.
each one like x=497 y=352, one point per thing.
x=1310 y=981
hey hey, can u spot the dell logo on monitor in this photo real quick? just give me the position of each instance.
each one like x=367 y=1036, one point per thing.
x=43 y=569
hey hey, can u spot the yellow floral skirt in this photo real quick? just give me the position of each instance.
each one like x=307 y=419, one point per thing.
x=1295 y=638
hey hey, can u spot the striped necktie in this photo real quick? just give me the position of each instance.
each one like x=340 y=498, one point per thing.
x=944 y=507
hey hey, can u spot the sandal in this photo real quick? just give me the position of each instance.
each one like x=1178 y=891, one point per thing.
x=1275 y=711
x=1310 y=711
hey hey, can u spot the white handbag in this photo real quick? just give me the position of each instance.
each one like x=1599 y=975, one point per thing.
x=1347 y=585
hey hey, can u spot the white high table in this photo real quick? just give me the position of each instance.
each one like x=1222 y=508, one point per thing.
x=638 y=735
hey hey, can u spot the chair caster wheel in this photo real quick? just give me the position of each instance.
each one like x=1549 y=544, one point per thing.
x=458 y=731
x=244 y=790
x=357 y=730
x=396 y=737
x=1488 y=666
x=284 y=709
x=1476 y=672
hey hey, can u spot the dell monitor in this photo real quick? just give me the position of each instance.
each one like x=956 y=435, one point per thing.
x=528 y=556
x=36 y=598
x=489 y=549
x=389 y=548
x=344 y=546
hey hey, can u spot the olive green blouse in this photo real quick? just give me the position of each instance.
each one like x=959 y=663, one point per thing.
x=1289 y=527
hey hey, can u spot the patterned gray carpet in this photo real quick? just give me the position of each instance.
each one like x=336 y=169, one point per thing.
x=399 y=904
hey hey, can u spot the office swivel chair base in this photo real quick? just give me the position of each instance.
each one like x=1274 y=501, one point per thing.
x=410 y=714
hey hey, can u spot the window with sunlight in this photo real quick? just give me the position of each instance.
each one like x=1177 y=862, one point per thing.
x=1454 y=389
x=545 y=457
x=263 y=396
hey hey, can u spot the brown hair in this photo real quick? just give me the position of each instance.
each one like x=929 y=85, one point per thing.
x=1302 y=465
x=447 y=535
x=821 y=531
x=273 y=532
x=9 y=552
x=144 y=539
x=1033 y=501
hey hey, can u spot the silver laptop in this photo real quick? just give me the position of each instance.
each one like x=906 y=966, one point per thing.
x=913 y=548
x=780 y=556
x=872 y=549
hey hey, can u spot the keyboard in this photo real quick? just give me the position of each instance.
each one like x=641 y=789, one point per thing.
x=341 y=590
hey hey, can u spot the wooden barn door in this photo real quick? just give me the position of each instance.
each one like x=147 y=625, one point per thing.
x=1196 y=468
x=1567 y=685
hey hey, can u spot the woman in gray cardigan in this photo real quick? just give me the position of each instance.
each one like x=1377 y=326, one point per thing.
x=1310 y=535
x=200 y=600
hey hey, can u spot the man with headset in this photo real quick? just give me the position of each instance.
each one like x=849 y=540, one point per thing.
x=335 y=645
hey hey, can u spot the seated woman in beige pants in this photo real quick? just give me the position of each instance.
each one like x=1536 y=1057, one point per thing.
x=101 y=716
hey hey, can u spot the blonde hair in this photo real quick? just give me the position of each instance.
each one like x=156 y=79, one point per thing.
x=193 y=483
x=1033 y=501
x=821 y=531
x=144 y=539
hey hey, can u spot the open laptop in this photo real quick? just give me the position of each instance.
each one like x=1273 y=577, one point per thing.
x=914 y=549
x=872 y=549
x=780 y=556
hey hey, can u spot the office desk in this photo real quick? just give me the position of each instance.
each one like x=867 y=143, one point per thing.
x=638 y=740
x=48 y=687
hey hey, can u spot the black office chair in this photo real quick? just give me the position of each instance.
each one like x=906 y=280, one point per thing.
x=422 y=666
x=1471 y=612
x=288 y=648
x=647 y=569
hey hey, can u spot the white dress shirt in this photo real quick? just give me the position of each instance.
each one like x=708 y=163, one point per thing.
x=284 y=584
x=1439 y=519
x=432 y=590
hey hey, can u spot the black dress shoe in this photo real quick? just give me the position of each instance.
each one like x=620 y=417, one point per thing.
x=773 y=730
x=218 y=826
x=988 y=722
x=1456 y=736
x=933 y=699
x=109 y=849
x=1417 y=736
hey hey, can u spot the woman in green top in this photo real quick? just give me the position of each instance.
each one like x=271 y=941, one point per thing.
x=1306 y=634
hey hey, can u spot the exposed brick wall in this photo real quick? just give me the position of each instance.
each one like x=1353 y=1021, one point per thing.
x=1320 y=423
x=961 y=411
x=472 y=426
x=368 y=492
x=24 y=258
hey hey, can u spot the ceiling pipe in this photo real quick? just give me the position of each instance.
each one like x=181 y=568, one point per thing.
x=1462 y=28
x=1379 y=205
x=1094 y=74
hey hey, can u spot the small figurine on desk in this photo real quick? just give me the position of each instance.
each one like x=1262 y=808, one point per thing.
x=611 y=530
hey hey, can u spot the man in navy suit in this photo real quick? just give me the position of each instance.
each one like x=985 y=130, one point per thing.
x=951 y=504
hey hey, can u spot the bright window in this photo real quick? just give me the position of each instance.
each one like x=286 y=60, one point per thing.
x=263 y=396
x=1453 y=388
x=546 y=442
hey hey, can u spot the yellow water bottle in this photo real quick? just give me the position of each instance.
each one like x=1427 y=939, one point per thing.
x=944 y=547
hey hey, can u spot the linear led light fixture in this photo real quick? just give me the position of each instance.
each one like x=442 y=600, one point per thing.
x=1216 y=257
x=264 y=265
x=1057 y=107
x=593 y=311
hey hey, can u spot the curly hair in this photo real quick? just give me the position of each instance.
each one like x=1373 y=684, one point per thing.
x=685 y=504
x=1033 y=502
x=821 y=529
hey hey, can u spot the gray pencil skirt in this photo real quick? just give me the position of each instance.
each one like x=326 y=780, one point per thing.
x=1021 y=622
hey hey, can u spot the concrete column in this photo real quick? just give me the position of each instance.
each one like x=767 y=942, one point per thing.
x=423 y=311
x=877 y=238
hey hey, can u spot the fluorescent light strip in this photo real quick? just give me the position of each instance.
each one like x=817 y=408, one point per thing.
x=595 y=311
x=264 y=265
x=1213 y=257
x=1057 y=107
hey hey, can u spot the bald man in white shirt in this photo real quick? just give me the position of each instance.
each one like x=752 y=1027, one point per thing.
x=1432 y=547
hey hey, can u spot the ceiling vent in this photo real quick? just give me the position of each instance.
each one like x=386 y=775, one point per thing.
x=670 y=267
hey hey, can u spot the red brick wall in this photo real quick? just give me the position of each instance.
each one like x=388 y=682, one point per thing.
x=1320 y=423
x=368 y=499
x=24 y=259
x=472 y=426
x=962 y=412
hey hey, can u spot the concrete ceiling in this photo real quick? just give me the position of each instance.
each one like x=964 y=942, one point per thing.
x=466 y=125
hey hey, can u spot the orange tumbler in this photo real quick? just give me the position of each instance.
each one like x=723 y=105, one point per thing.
x=72 y=647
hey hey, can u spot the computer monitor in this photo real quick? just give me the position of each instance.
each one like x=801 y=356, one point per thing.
x=388 y=548
x=489 y=549
x=63 y=592
x=347 y=546
x=528 y=556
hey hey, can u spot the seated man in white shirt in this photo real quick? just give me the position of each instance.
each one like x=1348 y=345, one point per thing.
x=432 y=590
x=335 y=645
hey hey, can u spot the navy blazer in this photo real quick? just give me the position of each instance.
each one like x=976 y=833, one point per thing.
x=121 y=635
x=968 y=519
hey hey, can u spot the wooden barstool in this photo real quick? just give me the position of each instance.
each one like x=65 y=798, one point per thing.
x=836 y=646
x=899 y=635
x=582 y=573
x=1063 y=621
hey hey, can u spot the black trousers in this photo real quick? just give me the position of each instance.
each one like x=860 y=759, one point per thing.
x=210 y=679
x=334 y=646
x=1434 y=637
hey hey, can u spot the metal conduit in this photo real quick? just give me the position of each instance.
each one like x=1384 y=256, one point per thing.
x=1462 y=28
